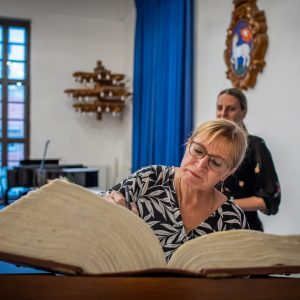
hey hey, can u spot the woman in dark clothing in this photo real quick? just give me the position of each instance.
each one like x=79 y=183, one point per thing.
x=254 y=186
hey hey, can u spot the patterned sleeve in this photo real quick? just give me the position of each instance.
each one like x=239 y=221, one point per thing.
x=243 y=223
x=267 y=184
x=135 y=183
x=232 y=217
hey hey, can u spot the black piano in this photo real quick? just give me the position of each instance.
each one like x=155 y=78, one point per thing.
x=32 y=173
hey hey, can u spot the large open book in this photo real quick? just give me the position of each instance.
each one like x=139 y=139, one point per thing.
x=63 y=227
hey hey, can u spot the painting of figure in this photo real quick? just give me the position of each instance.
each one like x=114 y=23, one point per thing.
x=241 y=48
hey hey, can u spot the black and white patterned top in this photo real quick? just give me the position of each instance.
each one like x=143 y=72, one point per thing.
x=152 y=190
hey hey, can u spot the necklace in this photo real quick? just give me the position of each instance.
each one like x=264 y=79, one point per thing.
x=180 y=198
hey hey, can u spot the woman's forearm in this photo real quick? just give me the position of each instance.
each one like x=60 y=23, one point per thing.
x=251 y=204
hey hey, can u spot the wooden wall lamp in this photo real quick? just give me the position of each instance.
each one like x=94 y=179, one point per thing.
x=102 y=92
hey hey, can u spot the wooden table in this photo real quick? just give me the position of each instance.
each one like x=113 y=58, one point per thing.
x=45 y=286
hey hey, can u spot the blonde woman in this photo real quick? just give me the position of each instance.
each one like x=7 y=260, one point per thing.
x=181 y=203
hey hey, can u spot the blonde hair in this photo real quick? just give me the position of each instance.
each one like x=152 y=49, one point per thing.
x=226 y=134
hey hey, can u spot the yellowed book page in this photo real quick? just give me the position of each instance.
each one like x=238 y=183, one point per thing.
x=66 y=223
x=237 y=249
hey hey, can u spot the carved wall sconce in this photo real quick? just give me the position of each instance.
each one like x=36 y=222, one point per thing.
x=246 y=44
x=101 y=92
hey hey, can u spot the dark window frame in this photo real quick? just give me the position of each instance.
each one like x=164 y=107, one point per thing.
x=5 y=140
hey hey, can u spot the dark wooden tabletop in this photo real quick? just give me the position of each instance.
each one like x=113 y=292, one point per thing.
x=45 y=286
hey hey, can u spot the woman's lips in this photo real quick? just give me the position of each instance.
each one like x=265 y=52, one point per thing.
x=194 y=174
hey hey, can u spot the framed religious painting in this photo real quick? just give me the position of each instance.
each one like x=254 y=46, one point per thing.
x=246 y=44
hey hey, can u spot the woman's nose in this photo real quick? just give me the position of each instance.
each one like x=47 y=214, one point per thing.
x=221 y=113
x=202 y=162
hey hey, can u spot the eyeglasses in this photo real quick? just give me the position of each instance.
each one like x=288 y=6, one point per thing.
x=216 y=163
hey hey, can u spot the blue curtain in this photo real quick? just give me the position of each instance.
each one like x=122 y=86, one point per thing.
x=163 y=81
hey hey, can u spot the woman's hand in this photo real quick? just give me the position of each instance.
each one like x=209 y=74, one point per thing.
x=118 y=198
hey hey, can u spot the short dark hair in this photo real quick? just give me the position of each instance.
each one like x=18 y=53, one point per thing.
x=238 y=94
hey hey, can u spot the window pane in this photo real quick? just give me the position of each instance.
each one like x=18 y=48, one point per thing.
x=1 y=50
x=0 y=114
x=16 y=35
x=12 y=163
x=16 y=52
x=16 y=70
x=16 y=111
x=15 y=129
x=15 y=153
x=16 y=93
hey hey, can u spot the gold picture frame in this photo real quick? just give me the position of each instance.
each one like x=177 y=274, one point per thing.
x=246 y=44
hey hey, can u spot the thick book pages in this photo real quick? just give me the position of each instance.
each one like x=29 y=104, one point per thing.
x=239 y=252
x=63 y=227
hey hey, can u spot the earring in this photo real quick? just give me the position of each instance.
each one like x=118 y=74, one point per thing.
x=222 y=186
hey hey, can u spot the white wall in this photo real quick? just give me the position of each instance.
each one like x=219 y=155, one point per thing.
x=274 y=106
x=68 y=36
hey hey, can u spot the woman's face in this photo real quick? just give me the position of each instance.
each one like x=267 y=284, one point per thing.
x=229 y=108
x=199 y=173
